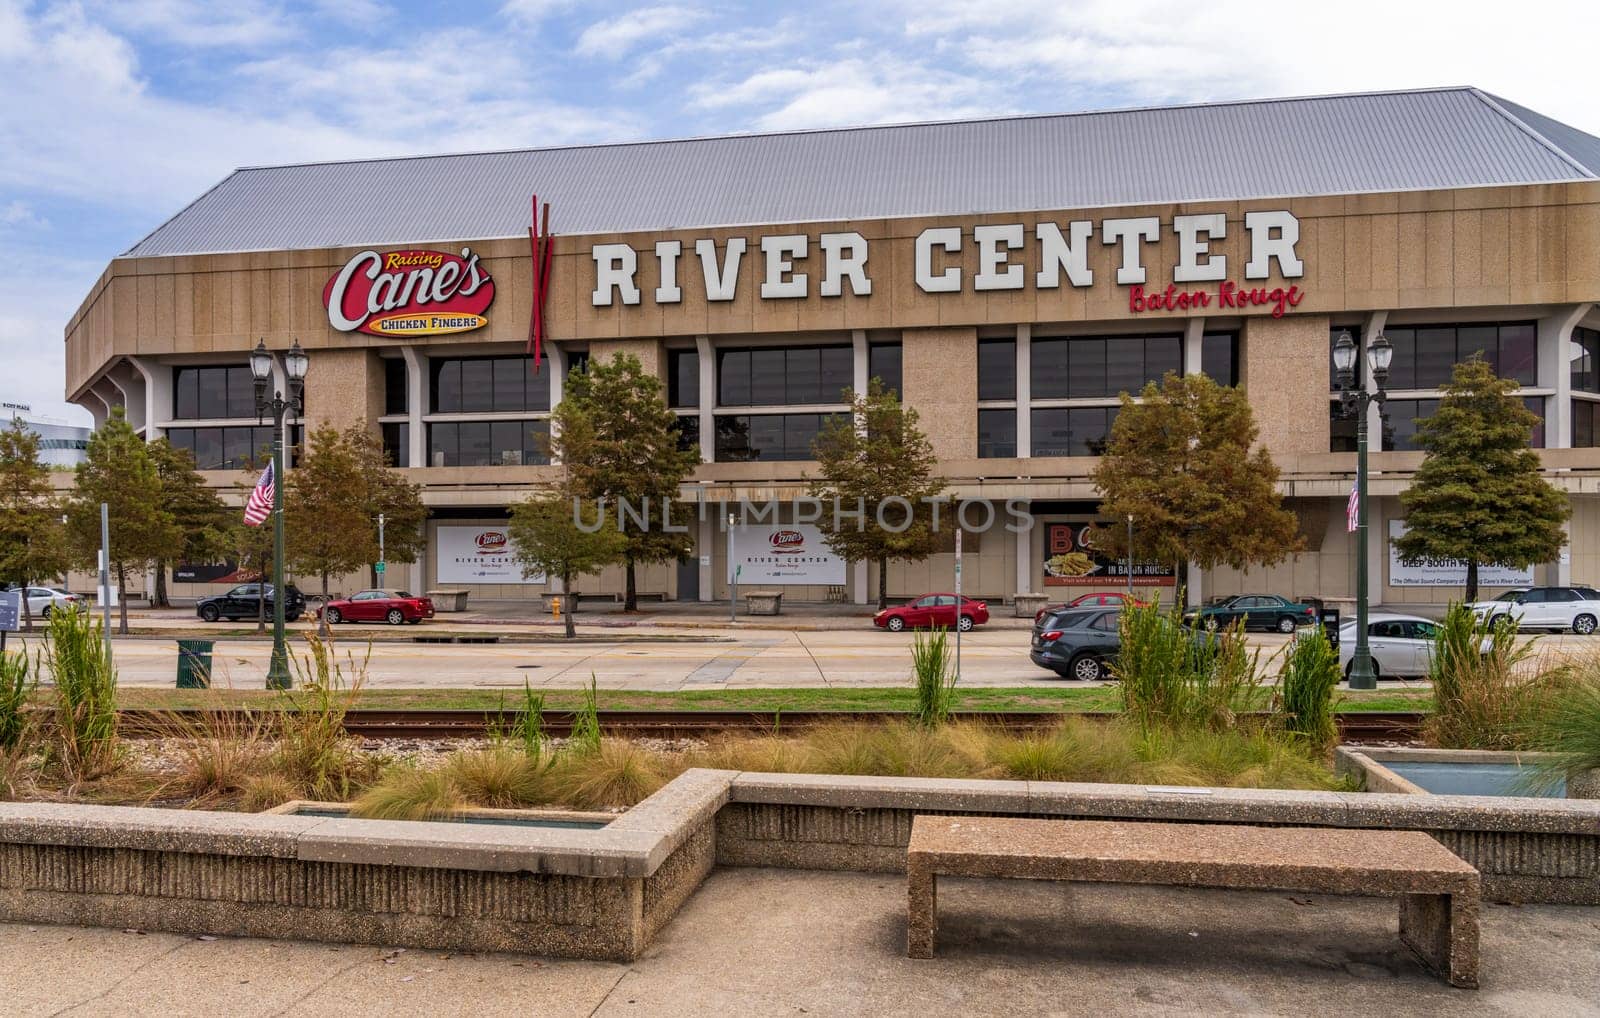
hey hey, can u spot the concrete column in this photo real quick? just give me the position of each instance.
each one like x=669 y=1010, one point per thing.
x=557 y=367
x=1371 y=329
x=1563 y=563
x=1194 y=331
x=417 y=392
x=130 y=383
x=157 y=395
x=861 y=365
x=858 y=583
x=1194 y=595
x=1555 y=371
x=705 y=537
x=708 y=402
x=1026 y=558
x=1024 y=393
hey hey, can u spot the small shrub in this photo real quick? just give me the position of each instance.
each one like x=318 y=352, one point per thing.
x=616 y=773
x=266 y=791
x=529 y=727
x=1480 y=700
x=1305 y=690
x=1566 y=722
x=86 y=695
x=585 y=737
x=409 y=793
x=16 y=690
x=498 y=777
x=218 y=753
x=313 y=749
x=1177 y=677
x=933 y=669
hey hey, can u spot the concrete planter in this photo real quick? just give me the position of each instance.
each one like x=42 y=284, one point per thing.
x=1026 y=606
x=448 y=600
x=1584 y=784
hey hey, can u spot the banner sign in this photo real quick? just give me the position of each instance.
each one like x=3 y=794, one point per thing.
x=10 y=610
x=409 y=293
x=787 y=553
x=1446 y=572
x=211 y=572
x=1071 y=561
x=477 y=555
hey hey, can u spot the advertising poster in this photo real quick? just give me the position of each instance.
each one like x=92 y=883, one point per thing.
x=477 y=555
x=211 y=572
x=786 y=553
x=1071 y=561
x=1446 y=572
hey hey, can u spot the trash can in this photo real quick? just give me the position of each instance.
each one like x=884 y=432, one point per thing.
x=194 y=664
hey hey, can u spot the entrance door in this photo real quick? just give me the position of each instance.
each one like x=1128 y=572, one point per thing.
x=689 y=579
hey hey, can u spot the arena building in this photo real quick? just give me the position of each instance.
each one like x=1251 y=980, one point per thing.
x=1008 y=277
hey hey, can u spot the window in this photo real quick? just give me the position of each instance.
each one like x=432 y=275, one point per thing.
x=744 y=437
x=488 y=385
x=1219 y=357
x=683 y=378
x=1426 y=355
x=234 y=448
x=997 y=434
x=688 y=427
x=1400 y=418
x=1106 y=623
x=1585 y=424
x=1586 y=362
x=213 y=393
x=396 y=443
x=997 y=369
x=396 y=394
x=1100 y=367
x=488 y=443
x=883 y=363
x=1074 y=431
x=784 y=376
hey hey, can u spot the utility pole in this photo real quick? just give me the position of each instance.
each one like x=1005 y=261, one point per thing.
x=383 y=563
x=1130 y=558
x=105 y=576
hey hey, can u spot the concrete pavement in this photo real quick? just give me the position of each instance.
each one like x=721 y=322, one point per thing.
x=780 y=942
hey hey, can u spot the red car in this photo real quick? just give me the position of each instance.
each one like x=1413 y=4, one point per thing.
x=391 y=606
x=1107 y=599
x=931 y=610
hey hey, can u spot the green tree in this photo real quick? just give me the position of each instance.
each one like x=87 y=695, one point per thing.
x=323 y=500
x=386 y=492
x=1180 y=461
x=119 y=471
x=619 y=442
x=877 y=460
x=1479 y=497
x=202 y=520
x=33 y=542
x=546 y=533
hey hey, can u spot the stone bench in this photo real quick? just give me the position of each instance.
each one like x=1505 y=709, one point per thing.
x=763 y=602
x=1438 y=892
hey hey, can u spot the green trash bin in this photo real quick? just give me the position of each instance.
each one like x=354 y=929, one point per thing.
x=194 y=664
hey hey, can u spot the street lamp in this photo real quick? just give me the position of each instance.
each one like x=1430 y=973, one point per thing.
x=1130 y=558
x=295 y=363
x=1355 y=400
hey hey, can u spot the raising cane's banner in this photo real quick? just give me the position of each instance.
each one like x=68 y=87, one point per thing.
x=477 y=555
x=409 y=293
x=784 y=554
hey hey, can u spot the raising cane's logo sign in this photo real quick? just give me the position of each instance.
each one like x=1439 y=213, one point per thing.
x=409 y=293
x=491 y=542
x=787 y=542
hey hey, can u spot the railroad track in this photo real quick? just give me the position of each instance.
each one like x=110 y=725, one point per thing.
x=1355 y=727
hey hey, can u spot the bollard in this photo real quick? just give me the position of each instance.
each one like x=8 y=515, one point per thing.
x=194 y=664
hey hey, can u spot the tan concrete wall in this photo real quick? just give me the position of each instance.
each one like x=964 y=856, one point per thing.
x=1283 y=371
x=652 y=355
x=939 y=377
x=344 y=387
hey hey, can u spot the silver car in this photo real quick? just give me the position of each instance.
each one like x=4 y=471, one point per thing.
x=42 y=599
x=1400 y=644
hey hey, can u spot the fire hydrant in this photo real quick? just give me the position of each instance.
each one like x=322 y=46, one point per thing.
x=555 y=607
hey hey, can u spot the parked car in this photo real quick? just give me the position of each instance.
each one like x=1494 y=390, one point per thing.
x=1104 y=599
x=1259 y=611
x=244 y=602
x=1077 y=643
x=391 y=606
x=1399 y=644
x=42 y=599
x=931 y=610
x=1574 y=608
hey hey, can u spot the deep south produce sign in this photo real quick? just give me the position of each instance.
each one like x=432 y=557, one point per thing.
x=1057 y=254
x=409 y=293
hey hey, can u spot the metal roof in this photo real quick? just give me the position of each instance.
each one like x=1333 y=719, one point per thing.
x=1339 y=144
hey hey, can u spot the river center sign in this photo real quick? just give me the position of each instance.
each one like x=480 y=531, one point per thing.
x=477 y=555
x=789 y=553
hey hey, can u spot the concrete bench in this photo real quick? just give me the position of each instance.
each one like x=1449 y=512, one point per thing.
x=764 y=602
x=1438 y=892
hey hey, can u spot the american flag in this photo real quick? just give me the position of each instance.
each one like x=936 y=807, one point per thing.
x=1352 y=509
x=260 y=505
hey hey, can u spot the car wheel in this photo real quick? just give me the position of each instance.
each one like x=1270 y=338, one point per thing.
x=1583 y=625
x=895 y=624
x=1086 y=668
x=395 y=616
x=209 y=612
x=965 y=624
x=333 y=616
x=44 y=613
x=1286 y=625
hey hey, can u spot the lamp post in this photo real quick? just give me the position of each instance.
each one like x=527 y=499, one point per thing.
x=295 y=362
x=1130 y=558
x=1355 y=399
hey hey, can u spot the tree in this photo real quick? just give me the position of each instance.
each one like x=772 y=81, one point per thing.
x=119 y=471
x=323 y=501
x=386 y=492
x=201 y=519
x=1479 y=497
x=32 y=541
x=548 y=539
x=619 y=442
x=876 y=459
x=1179 y=461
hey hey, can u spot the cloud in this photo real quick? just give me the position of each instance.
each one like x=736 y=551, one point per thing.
x=203 y=24
x=18 y=213
x=531 y=12
x=614 y=37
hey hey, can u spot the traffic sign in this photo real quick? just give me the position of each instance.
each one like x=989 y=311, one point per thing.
x=379 y=567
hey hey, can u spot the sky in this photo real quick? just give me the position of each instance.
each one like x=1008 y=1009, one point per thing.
x=114 y=114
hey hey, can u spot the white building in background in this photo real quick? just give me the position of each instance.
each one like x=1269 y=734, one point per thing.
x=61 y=445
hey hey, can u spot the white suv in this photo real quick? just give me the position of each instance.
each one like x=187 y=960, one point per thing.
x=1574 y=608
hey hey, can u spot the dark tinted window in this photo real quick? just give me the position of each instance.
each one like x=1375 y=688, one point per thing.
x=744 y=437
x=397 y=443
x=683 y=378
x=1076 y=431
x=688 y=427
x=487 y=443
x=1101 y=367
x=784 y=376
x=395 y=394
x=232 y=448
x=1586 y=361
x=883 y=363
x=488 y=384
x=1585 y=415
x=210 y=393
x=997 y=434
x=1425 y=356
x=1219 y=357
x=997 y=369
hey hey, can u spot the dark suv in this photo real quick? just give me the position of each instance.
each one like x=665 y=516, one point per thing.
x=244 y=602
x=1076 y=643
